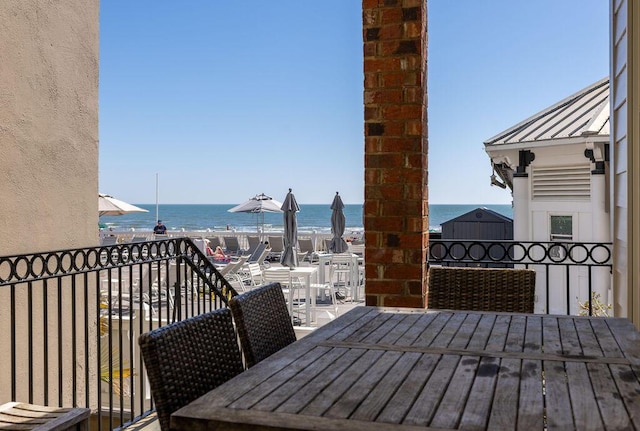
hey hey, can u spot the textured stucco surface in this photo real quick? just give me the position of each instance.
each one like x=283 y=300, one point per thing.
x=48 y=124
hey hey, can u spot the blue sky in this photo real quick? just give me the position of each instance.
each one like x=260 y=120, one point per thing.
x=225 y=100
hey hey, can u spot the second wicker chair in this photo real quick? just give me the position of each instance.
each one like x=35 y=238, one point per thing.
x=482 y=289
x=263 y=322
x=187 y=359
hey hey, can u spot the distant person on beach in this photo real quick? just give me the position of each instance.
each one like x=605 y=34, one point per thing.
x=160 y=229
x=218 y=254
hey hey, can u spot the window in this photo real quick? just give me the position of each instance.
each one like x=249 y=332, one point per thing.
x=561 y=229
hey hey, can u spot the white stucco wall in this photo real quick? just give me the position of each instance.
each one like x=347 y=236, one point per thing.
x=48 y=124
x=48 y=180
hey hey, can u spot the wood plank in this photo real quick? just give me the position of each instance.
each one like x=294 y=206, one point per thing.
x=333 y=393
x=612 y=408
x=282 y=387
x=222 y=419
x=371 y=327
x=483 y=332
x=530 y=398
x=627 y=338
x=407 y=322
x=409 y=391
x=498 y=336
x=319 y=383
x=379 y=396
x=465 y=332
x=467 y=352
x=628 y=385
x=359 y=318
x=533 y=335
x=516 y=334
x=476 y=412
x=588 y=340
x=504 y=409
x=551 y=336
x=450 y=329
x=569 y=338
x=360 y=389
x=583 y=401
x=416 y=325
x=385 y=329
x=557 y=396
x=427 y=402
x=456 y=394
x=606 y=338
x=428 y=333
x=253 y=394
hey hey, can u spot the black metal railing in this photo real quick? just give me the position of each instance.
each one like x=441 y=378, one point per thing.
x=70 y=319
x=572 y=277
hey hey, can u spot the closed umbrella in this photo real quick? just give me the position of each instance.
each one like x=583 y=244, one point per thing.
x=337 y=244
x=289 y=256
x=108 y=205
x=259 y=204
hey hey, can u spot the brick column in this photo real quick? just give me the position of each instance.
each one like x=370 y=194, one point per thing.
x=396 y=210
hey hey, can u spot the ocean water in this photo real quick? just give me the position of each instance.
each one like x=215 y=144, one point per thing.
x=310 y=217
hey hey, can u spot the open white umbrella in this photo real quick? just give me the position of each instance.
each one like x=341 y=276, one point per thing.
x=108 y=205
x=337 y=244
x=289 y=256
x=259 y=204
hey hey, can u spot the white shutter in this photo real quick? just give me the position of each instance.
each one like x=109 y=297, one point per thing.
x=572 y=182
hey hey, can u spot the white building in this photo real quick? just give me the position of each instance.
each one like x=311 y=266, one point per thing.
x=556 y=164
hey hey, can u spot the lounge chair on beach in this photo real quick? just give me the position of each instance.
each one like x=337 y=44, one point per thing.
x=255 y=255
x=231 y=244
x=109 y=240
x=254 y=242
x=214 y=241
x=305 y=245
x=277 y=247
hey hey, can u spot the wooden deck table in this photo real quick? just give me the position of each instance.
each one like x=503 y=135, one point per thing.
x=406 y=369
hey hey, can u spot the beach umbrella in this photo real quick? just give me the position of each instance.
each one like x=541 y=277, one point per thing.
x=108 y=205
x=259 y=204
x=337 y=244
x=289 y=256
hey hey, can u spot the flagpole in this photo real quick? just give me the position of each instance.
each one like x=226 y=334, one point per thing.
x=157 y=212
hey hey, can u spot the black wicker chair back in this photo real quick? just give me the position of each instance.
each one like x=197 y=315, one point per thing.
x=263 y=322
x=187 y=359
x=482 y=289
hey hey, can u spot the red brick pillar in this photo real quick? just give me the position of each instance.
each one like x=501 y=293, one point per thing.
x=396 y=211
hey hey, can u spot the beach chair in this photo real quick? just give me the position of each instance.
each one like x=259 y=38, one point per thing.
x=231 y=244
x=231 y=272
x=257 y=253
x=254 y=242
x=214 y=241
x=251 y=274
x=306 y=245
x=109 y=240
x=277 y=247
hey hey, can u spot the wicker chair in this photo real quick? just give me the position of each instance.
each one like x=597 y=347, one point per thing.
x=187 y=359
x=263 y=322
x=482 y=289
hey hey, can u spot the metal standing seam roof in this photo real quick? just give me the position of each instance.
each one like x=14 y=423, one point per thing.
x=583 y=113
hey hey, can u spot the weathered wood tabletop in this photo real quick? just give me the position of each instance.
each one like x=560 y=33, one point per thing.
x=407 y=369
